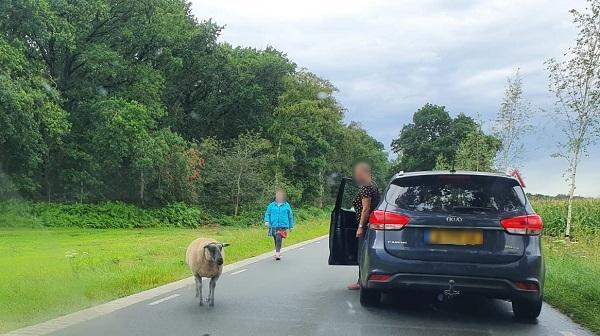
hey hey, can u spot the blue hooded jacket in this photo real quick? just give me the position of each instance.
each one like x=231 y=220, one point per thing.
x=279 y=216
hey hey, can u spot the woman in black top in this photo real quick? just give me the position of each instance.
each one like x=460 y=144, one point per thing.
x=364 y=202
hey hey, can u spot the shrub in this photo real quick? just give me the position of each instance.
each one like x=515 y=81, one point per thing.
x=122 y=215
x=178 y=214
x=97 y=216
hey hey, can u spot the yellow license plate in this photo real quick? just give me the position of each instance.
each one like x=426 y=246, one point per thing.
x=454 y=237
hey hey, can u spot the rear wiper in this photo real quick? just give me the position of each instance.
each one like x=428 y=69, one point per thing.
x=472 y=208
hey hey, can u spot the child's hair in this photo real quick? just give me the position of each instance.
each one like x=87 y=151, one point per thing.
x=277 y=191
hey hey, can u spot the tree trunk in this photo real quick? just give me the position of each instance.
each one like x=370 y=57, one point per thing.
x=572 y=178
x=142 y=186
x=81 y=191
x=238 y=192
x=48 y=185
x=321 y=189
x=477 y=154
x=277 y=165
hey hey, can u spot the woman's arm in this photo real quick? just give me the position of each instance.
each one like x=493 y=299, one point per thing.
x=291 y=217
x=364 y=216
x=364 y=213
x=267 y=216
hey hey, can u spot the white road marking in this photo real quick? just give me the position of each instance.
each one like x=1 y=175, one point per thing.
x=240 y=271
x=172 y=296
x=301 y=248
x=351 y=309
x=567 y=333
x=318 y=242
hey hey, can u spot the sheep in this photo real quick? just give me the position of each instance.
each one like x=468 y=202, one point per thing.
x=204 y=256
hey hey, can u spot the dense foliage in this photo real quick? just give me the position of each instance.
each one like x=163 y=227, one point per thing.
x=111 y=215
x=435 y=140
x=137 y=101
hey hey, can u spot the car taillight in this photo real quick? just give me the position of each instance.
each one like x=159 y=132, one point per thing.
x=523 y=225
x=386 y=220
x=530 y=286
x=379 y=277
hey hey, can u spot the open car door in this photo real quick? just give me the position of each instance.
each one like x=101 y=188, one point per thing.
x=343 y=244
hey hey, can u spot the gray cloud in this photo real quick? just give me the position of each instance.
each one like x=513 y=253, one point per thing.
x=388 y=58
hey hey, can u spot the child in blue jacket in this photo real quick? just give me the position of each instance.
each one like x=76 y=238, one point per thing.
x=279 y=219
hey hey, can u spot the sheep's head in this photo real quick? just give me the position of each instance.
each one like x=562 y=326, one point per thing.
x=213 y=252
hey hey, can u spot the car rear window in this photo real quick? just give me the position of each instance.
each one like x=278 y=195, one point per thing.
x=457 y=194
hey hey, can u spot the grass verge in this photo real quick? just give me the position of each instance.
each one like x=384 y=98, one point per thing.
x=572 y=274
x=51 y=272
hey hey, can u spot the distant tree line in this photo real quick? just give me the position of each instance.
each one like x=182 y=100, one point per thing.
x=137 y=101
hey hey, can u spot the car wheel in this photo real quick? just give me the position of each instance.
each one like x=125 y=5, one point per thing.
x=527 y=310
x=369 y=297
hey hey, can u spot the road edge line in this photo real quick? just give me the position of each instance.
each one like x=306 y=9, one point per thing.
x=87 y=314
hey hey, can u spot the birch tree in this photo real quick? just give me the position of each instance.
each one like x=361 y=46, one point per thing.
x=511 y=124
x=575 y=81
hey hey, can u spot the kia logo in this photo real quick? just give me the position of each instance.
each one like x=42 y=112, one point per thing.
x=454 y=219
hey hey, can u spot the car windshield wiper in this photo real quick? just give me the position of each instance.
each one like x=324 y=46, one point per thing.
x=472 y=208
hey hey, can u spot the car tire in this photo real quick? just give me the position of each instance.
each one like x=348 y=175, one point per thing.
x=526 y=309
x=369 y=297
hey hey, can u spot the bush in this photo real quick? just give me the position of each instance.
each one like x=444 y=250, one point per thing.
x=179 y=215
x=122 y=215
x=18 y=214
x=98 y=216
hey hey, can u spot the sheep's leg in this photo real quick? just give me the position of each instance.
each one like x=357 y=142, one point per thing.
x=196 y=285
x=211 y=294
x=199 y=287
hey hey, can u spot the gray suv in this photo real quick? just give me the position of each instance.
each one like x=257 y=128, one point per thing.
x=447 y=232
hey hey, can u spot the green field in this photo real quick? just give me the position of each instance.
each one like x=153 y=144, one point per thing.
x=573 y=268
x=50 y=272
x=586 y=216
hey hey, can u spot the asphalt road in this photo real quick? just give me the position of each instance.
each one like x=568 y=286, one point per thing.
x=302 y=295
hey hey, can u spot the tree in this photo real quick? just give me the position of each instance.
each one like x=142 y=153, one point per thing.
x=476 y=152
x=433 y=133
x=138 y=101
x=306 y=124
x=355 y=144
x=512 y=124
x=576 y=84
x=223 y=91
x=235 y=172
x=32 y=122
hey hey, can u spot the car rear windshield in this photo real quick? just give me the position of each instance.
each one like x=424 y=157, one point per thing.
x=457 y=194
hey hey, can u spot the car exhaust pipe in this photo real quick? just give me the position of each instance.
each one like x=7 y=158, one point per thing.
x=450 y=293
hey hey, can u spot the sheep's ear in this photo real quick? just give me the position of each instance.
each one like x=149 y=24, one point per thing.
x=225 y=244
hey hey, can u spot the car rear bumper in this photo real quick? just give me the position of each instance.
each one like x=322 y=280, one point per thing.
x=492 y=280
x=492 y=287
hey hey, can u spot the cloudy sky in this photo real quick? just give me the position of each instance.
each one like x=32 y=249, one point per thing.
x=390 y=57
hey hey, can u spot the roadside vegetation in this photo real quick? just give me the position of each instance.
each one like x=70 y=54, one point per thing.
x=113 y=215
x=572 y=273
x=54 y=271
x=572 y=265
